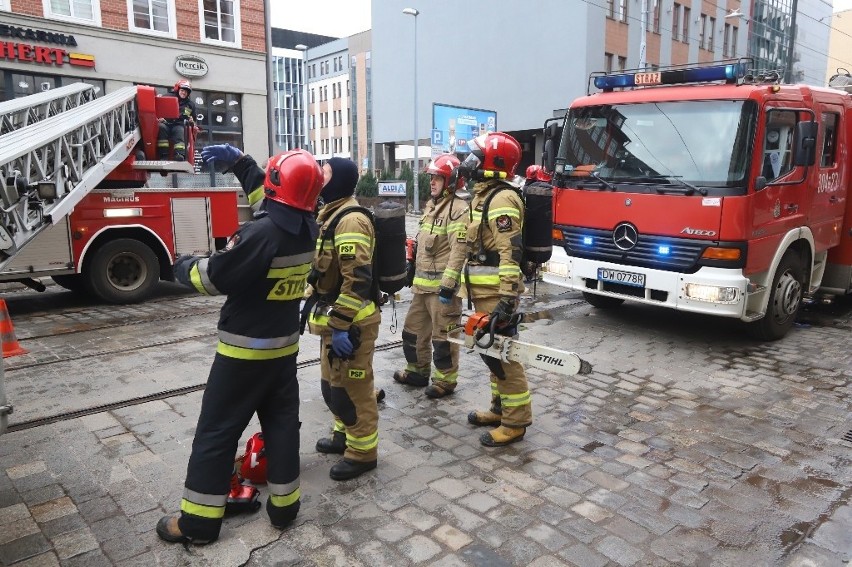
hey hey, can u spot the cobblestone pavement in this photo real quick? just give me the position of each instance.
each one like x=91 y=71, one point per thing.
x=688 y=444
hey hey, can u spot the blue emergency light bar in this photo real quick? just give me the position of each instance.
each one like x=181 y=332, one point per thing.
x=730 y=72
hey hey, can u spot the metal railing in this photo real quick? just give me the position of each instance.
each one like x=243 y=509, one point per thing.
x=20 y=112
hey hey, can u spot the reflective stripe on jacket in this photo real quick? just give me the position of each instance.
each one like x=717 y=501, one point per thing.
x=440 y=245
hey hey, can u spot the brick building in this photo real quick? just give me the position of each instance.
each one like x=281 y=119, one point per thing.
x=220 y=45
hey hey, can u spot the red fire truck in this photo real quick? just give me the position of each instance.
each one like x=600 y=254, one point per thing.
x=75 y=205
x=713 y=190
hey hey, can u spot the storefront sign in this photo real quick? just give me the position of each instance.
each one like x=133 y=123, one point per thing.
x=40 y=36
x=191 y=66
x=24 y=53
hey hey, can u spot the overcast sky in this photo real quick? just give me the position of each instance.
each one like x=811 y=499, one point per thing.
x=335 y=18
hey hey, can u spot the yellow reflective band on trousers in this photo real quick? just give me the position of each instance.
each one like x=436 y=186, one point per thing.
x=515 y=400
x=338 y=426
x=322 y=320
x=202 y=510
x=286 y=499
x=256 y=197
x=449 y=378
x=363 y=443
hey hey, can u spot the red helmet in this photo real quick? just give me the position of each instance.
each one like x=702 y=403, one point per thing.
x=294 y=178
x=537 y=173
x=444 y=165
x=182 y=84
x=253 y=462
x=495 y=152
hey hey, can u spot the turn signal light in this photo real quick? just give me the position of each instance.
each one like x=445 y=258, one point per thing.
x=556 y=234
x=714 y=253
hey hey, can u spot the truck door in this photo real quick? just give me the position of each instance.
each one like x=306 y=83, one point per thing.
x=828 y=188
x=781 y=205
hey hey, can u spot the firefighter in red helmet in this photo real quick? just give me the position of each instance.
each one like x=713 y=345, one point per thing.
x=173 y=130
x=491 y=277
x=440 y=253
x=262 y=270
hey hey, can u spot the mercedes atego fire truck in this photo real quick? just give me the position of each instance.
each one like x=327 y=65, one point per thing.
x=713 y=190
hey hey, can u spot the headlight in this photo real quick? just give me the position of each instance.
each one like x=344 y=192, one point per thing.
x=711 y=293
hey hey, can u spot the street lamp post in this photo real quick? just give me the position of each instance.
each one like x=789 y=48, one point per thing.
x=304 y=49
x=415 y=13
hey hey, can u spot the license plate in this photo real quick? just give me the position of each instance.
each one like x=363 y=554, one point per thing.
x=621 y=277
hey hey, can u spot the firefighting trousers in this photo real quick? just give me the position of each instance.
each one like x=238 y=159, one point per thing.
x=236 y=389
x=174 y=133
x=347 y=388
x=424 y=337
x=509 y=388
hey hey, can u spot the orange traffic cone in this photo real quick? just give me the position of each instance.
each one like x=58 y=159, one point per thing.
x=7 y=333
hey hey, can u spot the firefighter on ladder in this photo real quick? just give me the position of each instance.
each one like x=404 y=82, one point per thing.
x=439 y=255
x=174 y=130
x=492 y=278
x=262 y=270
x=343 y=310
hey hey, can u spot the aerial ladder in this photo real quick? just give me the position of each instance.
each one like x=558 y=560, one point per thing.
x=56 y=146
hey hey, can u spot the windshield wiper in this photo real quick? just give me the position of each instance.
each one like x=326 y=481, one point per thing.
x=686 y=189
x=596 y=176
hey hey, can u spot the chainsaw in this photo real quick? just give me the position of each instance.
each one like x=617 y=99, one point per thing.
x=482 y=334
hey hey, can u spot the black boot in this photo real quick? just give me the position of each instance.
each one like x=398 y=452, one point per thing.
x=346 y=469
x=169 y=530
x=336 y=445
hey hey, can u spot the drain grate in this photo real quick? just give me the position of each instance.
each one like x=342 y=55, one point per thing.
x=848 y=436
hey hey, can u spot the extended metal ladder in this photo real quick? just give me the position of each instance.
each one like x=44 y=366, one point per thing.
x=63 y=144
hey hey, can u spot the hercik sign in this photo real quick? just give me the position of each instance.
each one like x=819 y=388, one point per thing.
x=191 y=66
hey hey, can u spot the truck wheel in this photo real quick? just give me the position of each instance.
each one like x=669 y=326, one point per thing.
x=71 y=282
x=785 y=300
x=123 y=271
x=602 y=301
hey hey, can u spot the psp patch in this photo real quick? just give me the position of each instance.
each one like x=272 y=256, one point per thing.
x=346 y=251
x=504 y=223
x=356 y=374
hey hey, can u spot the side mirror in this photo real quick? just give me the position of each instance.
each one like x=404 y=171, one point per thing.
x=804 y=144
x=760 y=183
x=548 y=156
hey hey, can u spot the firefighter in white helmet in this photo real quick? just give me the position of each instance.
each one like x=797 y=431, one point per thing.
x=439 y=254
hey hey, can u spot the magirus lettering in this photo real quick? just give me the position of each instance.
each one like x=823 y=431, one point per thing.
x=698 y=232
x=549 y=359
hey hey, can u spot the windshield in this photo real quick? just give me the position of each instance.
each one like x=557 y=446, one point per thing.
x=701 y=143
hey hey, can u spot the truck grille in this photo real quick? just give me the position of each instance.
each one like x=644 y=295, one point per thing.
x=594 y=244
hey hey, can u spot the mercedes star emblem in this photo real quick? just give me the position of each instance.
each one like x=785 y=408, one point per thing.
x=625 y=236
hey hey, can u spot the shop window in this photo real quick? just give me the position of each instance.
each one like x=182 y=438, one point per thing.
x=80 y=11
x=152 y=16
x=220 y=21
x=218 y=116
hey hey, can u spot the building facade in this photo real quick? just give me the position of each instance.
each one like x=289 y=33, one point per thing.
x=217 y=44
x=840 y=44
x=329 y=110
x=361 y=99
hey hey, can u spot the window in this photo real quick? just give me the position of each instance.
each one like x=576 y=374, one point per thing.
x=656 y=12
x=610 y=9
x=778 y=140
x=675 y=21
x=608 y=62
x=734 y=31
x=80 y=11
x=702 y=31
x=711 y=35
x=4 y=5
x=829 y=139
x=686 y=15
x=726 y=40
x=151 y=16
x=622 y=63
x=220 y=22
x=622 y=11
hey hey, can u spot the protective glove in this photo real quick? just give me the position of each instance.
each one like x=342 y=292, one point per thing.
x=340 y=343
x=225 y=154
x=445 y=295
x=503 y=310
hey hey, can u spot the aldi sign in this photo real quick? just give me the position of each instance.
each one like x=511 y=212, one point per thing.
x=392 y=189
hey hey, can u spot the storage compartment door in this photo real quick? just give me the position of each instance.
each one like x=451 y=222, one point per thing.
x=191 y=226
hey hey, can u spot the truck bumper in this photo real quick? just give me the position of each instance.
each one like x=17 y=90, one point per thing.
x=712 y=291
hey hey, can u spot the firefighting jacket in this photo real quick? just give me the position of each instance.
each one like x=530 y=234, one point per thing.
x=186 y=110
x=342 y=275
x=262 y=270
x=440 y=245
x=495 y=244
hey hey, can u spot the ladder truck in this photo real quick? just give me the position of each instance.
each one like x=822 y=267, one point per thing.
x=73 y=198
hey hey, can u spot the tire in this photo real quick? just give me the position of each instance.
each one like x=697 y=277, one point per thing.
x=602 y=301
x=71 y=282
x=785 y=300
x=123 y=271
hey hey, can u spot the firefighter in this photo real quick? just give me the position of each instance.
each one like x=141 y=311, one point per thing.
x=492 y=279
x=344 y=312
x=262 y=270
x=173 y=129
x=440 y=252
